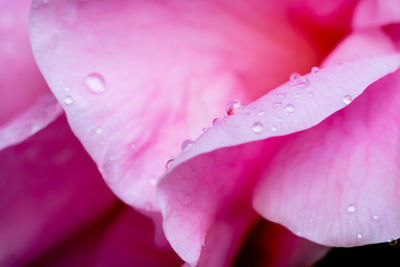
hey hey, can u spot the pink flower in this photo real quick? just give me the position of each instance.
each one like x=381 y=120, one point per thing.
x=318 y=154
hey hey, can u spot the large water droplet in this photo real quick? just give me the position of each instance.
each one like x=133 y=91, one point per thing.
x=168 y=164
x=186 y=145
x=347 y=99
x=232 y=107
x=294 y=76
x=68 y=100
x=392 y=241
x=351 y=208
x=257 y=127
x=95 y=82
x=289 y=108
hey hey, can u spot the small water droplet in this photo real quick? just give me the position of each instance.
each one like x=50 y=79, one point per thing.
x=294 y=76
x=204 y=130
x=99 y=130
x=232 y=107
x=298 y=233
x=186 y=145
x=153 y=181
x=282 y=95
x=168 y=164
x=351 y=208
x=375 y=217
x=216 y=121
x=359 y=236
x=66 y=89
x=95 y=82
x=68 y=100
x=314 y=69
x=347 y=99
x=392 y=241
x=274 y=129
x=261 y=113
x=302 y=82
x=258 y=127
x=289 y=108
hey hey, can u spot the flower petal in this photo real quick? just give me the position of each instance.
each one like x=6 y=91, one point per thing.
x=26 y=102
x=50 y=187
x=376 y=13
x=144 y=76
x=217 y=175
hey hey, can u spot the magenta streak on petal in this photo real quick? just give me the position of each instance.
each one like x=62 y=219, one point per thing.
x=207 y=180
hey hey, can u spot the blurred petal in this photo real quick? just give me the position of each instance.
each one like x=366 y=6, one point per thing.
x=376 y=13
x=26 y=102
x=217 y=174
x=144 y=76
x=272 y=245
x=50 y=187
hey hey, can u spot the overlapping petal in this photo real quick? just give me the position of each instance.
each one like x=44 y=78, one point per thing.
x=26 y=102
x=376 y=13
x=216 y=176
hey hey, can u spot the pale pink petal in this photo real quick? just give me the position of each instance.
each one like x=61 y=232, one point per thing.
x=49 y=188
x=26 y=102
x=337 y=183
x=200 y=186
x=167 y=69
x=272 y=245
x=376 y=13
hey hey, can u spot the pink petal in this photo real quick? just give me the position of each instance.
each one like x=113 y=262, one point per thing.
x=50 y=187
x=216 y=176
x=26 y=103
x=121 y=237
x=273 y=245
x=376 y=13
x=336 y=183
x=168 y=69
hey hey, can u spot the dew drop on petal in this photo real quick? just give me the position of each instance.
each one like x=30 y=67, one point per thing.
x=314 y=69
x=289 y=108
x=216 y=121
x=232 y=107
x=186 y=145
x=168 y=164
x=375 y=217
x=204 y=130
x=359 y=236
x=351 y=208
x=68 y=100
x=294 y=76
x=261 y=113
x=347 y=99
x=95 y=82
x=99 y=130
x=392 y=241
x=274 y=129
x=257 y=127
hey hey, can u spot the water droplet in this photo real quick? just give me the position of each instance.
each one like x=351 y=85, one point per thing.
x=314 y=69
x=232 y=107
x=359 y=236
x=66 y=89
x=351 y=208
x=375 y=217
x=168 y=164
x=95 y=82
x=204 y=130
x=216 y=121
x=289 y=108
x=68 y=100
x=392 y=241
x=153 y=181
x=302 y=82
x=261 y=113
x=274 y=129
x=294 y=76
x=347 y=99
x=282 y=95
x=258 y=127
x=99 y=130
x=310 y=93
x=186 y=145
